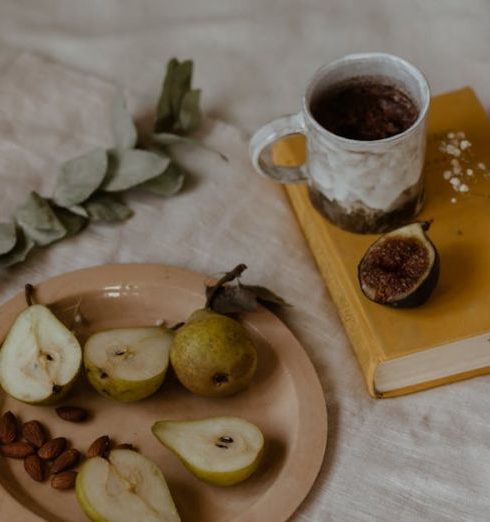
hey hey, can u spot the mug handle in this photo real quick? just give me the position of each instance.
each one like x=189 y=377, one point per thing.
x=260 y=152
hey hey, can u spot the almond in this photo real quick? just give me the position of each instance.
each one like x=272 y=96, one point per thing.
x=34 y=467
x=99 y=448
x=64 y=480
x=17 y=450
x=34 y=433
x=66 y=460
x=124 y=445
x=72 y=413
x=52 y=449
x=8 y=428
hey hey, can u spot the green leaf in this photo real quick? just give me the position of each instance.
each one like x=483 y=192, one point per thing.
x=125 y=133
x=19 y=253
x=80 y=177
x=181 y=83
x=72 y=222
x=190 y=113
x=164 y=117
x=133 y=167
x=8 y=237
x=167 y=139
x=107 y=207
x=38 y=220
x=168 y=183
x=78 y=210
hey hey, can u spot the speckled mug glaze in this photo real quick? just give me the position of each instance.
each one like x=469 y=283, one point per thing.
x=361 y=186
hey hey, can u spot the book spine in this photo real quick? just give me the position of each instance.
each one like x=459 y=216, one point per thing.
x=333 y=272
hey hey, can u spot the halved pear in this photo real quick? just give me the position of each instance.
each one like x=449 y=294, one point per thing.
x=127 y=364
x=40 y=358
x=125 y=487
x=219 y=450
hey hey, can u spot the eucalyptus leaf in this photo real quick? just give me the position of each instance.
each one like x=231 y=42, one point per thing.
x=129 y=168
x=167 y=139
x=189 y=113
x=80 y=177
x=38 y=220
x=19 y=253
x=107 y=207
x=8 y=237
x=181 y=83
x=78 y=210
x=73 y=223
x=168 y=183
x=125 y=133
x=164 y=117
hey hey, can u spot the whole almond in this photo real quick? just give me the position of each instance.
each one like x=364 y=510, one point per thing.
x=17 y=450
x=52 y=449
x=99 y=448
x=72 y=413
x=8 y=428
x=124 y=445
x=35 y=467
x=66 y=460
x=64 y=480
x=34 y=433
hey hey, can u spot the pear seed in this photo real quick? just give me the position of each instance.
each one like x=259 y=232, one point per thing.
x=221 y=446
x=226 y=439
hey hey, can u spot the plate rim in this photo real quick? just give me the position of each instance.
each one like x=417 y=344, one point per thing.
x=313 y=414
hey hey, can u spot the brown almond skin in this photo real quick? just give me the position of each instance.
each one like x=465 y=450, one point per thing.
x=8 y=428
x=124 y=445
x=72 y=413
x=35 y=468
x=64 y=480
x=99 y=448
x=17 y=450
x=66 y=460
x=34 y=432
x=52 y=449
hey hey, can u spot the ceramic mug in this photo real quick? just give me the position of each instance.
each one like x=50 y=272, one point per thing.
x=361 y=186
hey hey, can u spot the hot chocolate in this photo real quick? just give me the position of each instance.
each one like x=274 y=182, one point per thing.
x=364 y=109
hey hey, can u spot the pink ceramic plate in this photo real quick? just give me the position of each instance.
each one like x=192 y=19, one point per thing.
x=285 y=400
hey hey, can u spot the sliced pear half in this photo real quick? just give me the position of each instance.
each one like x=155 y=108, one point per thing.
x=220 y=450
x=127 y=364
x=126 y=487
x=40 y=358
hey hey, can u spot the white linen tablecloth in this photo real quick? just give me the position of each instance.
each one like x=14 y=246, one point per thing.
x=421 y=457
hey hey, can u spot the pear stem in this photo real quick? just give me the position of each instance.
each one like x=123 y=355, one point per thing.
x=28 y=293
x=229 y=276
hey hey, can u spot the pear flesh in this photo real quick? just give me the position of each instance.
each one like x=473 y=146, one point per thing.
x=125 y=487
x=40 y=358
x=219 y=450
x=127 y=364
x=213 y=355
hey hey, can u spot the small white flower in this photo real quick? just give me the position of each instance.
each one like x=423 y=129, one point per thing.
x=455 y=162
x=451 y=135
x=482 y=166
x=453 y=200
x=451 y=149
x=465 y=144
x=461 y=135
x=464 y=188
x=455 y=182
x=469 y=172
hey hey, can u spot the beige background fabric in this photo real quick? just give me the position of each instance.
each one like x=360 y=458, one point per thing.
x=421 y=457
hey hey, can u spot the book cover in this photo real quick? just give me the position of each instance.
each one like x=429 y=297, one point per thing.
x=458 y=312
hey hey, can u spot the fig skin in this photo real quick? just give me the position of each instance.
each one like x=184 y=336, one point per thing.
x=423 y=290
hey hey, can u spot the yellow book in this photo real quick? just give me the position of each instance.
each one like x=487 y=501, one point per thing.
x=447 y=338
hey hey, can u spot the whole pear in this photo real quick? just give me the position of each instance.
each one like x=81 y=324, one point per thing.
x=213 y=355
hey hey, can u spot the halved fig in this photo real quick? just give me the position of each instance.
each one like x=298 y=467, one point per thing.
x=401 y=268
